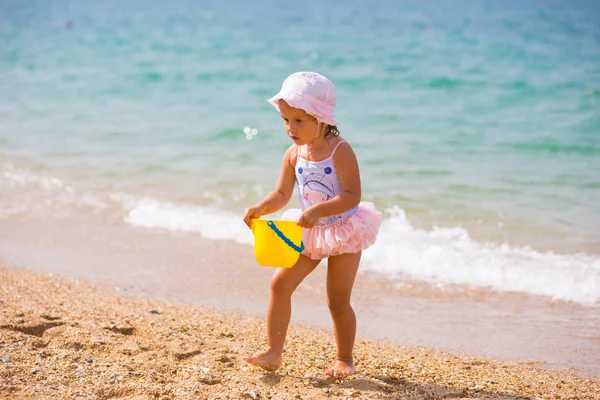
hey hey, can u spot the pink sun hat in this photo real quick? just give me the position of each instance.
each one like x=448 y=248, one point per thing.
x=311 y=92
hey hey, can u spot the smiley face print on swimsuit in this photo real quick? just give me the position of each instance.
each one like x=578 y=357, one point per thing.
x=317 y=187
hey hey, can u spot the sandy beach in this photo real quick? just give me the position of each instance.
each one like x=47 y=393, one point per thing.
x=66 y=338
x=133 y=136
x=182 y=268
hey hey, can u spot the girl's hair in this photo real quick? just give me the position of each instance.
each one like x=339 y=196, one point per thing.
x=331 y=130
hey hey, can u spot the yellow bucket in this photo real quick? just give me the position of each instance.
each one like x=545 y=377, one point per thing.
x=275 y=242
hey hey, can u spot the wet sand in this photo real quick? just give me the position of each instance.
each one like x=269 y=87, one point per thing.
x=65 y=338
x=188 y=270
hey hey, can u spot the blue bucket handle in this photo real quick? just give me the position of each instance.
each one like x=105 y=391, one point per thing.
x=282 y=236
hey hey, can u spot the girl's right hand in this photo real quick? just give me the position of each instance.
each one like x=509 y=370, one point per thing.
x=252 y=213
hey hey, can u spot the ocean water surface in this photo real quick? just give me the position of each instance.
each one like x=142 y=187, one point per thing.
x=476 y=124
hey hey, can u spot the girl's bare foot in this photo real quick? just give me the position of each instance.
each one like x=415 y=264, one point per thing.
x=341 y=369
x=267 y=360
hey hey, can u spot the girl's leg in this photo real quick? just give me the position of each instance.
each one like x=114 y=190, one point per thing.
x=341 y=271
x=283 y=284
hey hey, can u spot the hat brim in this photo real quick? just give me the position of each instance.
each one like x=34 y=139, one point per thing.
x=321 y=111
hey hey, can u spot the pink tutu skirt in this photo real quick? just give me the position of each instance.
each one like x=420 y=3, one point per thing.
x=348 y=235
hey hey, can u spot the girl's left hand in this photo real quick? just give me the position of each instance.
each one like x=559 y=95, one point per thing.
x=309 y=218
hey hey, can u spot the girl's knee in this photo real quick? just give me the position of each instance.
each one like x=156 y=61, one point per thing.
x=281 y=286
x=339 y=305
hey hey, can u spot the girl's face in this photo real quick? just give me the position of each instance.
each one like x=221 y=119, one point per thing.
x=301 y=127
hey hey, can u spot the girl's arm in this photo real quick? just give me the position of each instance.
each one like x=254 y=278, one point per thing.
x=282 y=193
x=346 y=166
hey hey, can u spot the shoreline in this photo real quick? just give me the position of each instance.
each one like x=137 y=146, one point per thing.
x=67 y=337
x=188 y=270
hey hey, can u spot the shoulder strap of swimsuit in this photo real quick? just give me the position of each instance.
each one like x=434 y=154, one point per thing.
x=336 y=147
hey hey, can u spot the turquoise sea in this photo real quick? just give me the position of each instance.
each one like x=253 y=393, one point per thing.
x=476 y=124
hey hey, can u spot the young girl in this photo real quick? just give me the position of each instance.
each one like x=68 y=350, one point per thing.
x=337 y=225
